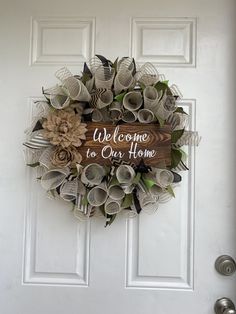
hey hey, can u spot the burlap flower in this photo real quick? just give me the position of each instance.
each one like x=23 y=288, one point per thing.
x=63 y=157
x=64 y=128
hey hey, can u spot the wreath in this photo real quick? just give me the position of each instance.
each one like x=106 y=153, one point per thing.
x=116 y=94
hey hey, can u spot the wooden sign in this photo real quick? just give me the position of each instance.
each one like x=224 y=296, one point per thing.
x=130 y=142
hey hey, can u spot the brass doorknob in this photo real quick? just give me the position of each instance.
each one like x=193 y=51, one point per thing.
x=224 y=306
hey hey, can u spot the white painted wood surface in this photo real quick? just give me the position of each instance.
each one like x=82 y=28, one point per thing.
x=162 y=263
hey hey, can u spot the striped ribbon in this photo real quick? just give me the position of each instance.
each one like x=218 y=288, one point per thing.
x=189 y=138
x=96 y=95
x=37 y=141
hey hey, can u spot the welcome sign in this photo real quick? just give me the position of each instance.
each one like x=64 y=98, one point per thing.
x=129 y=142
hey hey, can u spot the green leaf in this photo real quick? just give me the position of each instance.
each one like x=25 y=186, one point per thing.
x=170 y=190
x=110 y=220
x=176 y=157
x=162 y=86
x=86 y=77
x=166 y=82
x=36 y=164
x=148 y=183
x=180 y=110
x=184 y=154
x=128 y=200
x=137 y=178
x=161 y=121
x=176 y=135
x=120 y=97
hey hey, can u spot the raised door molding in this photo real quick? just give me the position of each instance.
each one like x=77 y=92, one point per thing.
x=56 y=245
x=61 y=40
x=160 y=247
x=174 y=38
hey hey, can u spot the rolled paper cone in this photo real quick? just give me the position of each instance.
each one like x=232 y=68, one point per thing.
x=129 y=116
x=112 y=206
x=97 y=115
x=52 y=194
x=54 y=178
x=156 y=190
x=115 y=111
x=128 y=188
x=166 y=107
x=123 y=81
x=59 y=101
x=32 y=156
x=148 y=80
x=76 y=89
x=126 y=64
x=116 y=106
x=105 y=114
x=97 y=196
x=115 y=191
x=105 y=99
x=40 y=171
x=90 y=84
x=151 y=98
x=148 y=74
x=132 y=101
x=148 y=203
x=92 y=174
x=55 y=90
x=164 y=197
x=68 y=190
x=58 y=97
x=162 y=77
x=164 y=177
x=175 y=91
x=93 y=64
x=174 y=120
x=63 y=73
x=125 y=174
x=104 y=77
x=45 y=158
x=146 y=116
x=178 y=121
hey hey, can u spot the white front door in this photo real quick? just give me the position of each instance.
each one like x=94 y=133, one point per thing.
x=162 y=263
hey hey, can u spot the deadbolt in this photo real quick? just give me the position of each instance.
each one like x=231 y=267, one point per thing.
x=225 y=265
x=224 y=306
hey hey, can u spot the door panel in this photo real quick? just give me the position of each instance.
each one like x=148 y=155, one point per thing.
x=160 y=263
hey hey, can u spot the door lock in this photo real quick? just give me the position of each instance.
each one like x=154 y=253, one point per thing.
x=224 y=306
x=225 y=265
